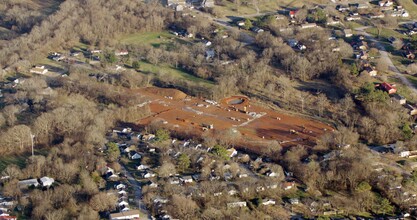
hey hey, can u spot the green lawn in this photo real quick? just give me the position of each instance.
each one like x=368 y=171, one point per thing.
x=153 y=38
x=19 y=160
x=163 y=71
x=385 y=33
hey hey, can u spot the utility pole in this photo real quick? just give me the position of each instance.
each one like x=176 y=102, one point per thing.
x=32 y=136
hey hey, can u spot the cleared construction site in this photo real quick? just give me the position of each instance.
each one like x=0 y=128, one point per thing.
x=182 y=113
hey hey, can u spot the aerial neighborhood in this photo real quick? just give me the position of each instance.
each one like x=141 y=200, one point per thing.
x=202 y=109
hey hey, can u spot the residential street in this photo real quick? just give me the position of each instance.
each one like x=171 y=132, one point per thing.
x=386 y=58
x=138 y=191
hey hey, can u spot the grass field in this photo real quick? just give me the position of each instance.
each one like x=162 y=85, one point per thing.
x=153 y=38
x=165 y=71
x=385 y=33
x=19 y=160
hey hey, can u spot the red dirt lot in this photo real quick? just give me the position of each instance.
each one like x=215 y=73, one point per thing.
x=256 y=124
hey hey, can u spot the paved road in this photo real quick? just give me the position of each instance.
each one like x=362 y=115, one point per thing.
x=244 y=36
x=385 y=56
x=138 y=192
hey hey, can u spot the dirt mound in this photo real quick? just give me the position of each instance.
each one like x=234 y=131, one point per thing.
x=174 y=93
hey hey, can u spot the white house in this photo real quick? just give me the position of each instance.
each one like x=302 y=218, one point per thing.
x=153 y=185
x=271 y=174
x=27 y=183
x=142 y=167
x=47 y=181
x=148 y=175
x=39 y=70
x=122 y=192
x=232 y=152
x=187 y=179
x=174 y=181
x=132 y=214
x=120 y=186
x=294 y=201
x=121 y=53
x=236 y=204
x=123 y=203
x=268 y=202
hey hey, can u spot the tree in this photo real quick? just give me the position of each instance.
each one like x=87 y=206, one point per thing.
x=248 y=24
x=112 y=152
x=221 y=152
x=162 y=135
x=407 y=131
x=183 y=207
x=111 y=57
x=383 y=206
x=167 y=169
x=184 y=162
x=135 y=65
x=103 y=201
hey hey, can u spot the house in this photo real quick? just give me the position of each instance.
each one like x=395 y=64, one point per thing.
x=142 y=167
x=363 y=6
x=148 y=137
x=124 y=209
x=160 y=200
x=288 y=185
x=376 y=15
x=210 y=54
x=292 y=13
x=28 y=183
x=400 y=99
x=128 y=149
x=348 y=32
x=257 y=30
x=371 y=70
x=174 y=180
x=271 y=174
x=410 y=55
x=47 y=181
x=342 y=8
x=122 y=203
x=268 y=202
x=206 y=43
x=387 y=3
x=308 y=25
x=390 y=88
x=148 y=175
x=120 y=186
x=39 y=70
x=236 y=204
x=232 y=152
x=294 y=201
x=363 y=55
x=122 y=192
x=153 y=185
x=133 y=155
x=412 y=109
x=121 y=53
x=187 y=179
x=132 y=214
x=405 y=153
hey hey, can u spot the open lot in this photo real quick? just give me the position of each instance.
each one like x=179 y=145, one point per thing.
x=182 y=113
